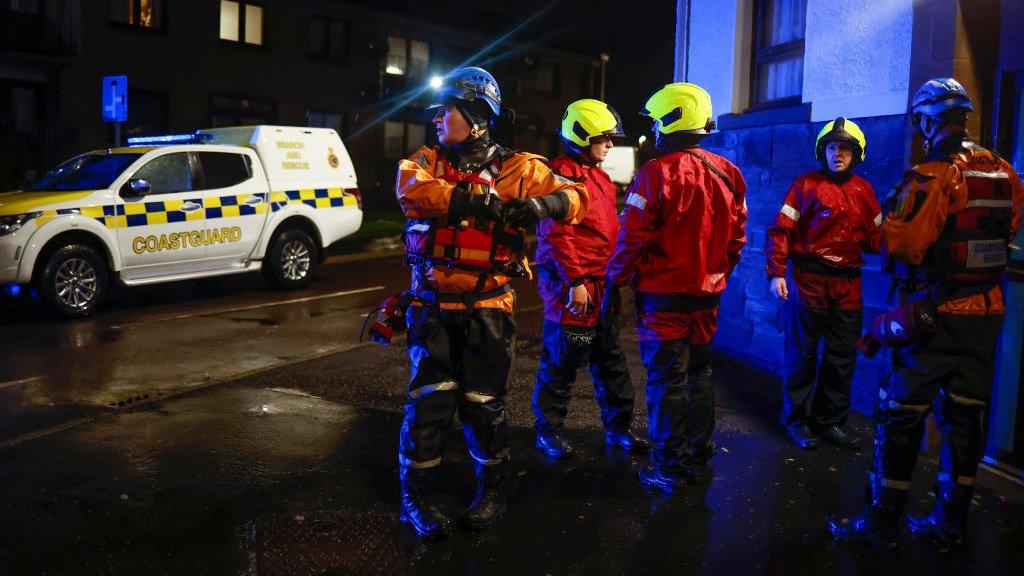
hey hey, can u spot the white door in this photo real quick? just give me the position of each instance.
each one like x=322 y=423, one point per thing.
x=236 y=204
x=164 y=230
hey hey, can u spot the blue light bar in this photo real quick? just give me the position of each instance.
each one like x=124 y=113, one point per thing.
x=166 y=139
x=13 y=289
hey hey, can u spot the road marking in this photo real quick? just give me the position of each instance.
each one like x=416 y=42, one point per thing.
x=19 y=382
x=252 y=307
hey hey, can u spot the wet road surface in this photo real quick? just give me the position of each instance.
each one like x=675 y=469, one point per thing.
x=291 y=469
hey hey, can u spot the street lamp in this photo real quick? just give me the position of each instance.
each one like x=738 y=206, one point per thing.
x=604 y=61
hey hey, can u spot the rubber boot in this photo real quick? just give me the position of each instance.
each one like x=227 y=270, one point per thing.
x=877 y=524
x=947 y=522
x=418 y=510
x=490 y=502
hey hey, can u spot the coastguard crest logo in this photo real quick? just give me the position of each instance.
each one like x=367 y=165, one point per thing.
x=332 y=158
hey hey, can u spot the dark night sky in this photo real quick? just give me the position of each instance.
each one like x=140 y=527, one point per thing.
x=637 y=34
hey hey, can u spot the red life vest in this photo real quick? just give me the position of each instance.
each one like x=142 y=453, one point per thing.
x=483 y=248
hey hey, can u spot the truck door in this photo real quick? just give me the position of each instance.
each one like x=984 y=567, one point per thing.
x=236 y=199
x=164 y=229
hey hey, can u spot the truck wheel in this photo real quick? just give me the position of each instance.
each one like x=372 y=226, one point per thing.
x=292 y=259
x=73 y=281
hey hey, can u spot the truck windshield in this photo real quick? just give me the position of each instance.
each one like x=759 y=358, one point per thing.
x=85 y=172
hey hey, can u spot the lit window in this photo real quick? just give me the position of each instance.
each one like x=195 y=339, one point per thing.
x=407 y=56
x=778 y=67
x=141 y=13
x=396 y=62
x=241 y=21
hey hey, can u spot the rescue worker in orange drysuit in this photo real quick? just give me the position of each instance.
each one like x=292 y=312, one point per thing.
x=466 y=202
x=947 y=239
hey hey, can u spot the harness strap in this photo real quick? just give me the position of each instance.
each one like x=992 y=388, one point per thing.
x=469 y=299
x=813 y=265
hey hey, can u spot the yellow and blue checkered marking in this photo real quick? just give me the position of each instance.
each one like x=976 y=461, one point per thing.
x=152 y=212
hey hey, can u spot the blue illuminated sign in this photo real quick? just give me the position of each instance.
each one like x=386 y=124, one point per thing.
x=115 y=98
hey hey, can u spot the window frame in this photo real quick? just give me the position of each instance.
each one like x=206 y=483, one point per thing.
x=212 y=106
x=406 y=126
x=241 y=42
x=325 y=54
x=162 y=9
x=199 y=181
x=192 y=173
x=778 y=52
x=407 y=70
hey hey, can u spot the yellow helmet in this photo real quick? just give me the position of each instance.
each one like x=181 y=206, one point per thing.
x=680 y=106
x=841 y=130
x=584 y=119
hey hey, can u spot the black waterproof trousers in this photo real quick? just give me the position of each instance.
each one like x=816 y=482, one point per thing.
x=459 y=360
x=818 y=394
x=951 y=372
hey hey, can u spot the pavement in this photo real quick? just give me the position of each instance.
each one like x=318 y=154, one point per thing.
x=267 y=445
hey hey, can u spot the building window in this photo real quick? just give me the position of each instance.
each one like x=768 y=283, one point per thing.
x=407 y=56
x=328 y=38
x=241 y=22
x=138 y=13
x=22 y=6
x=549 y=79
x=401 y=138
x=147 y=113
x=229 y=111
x=25 y=109
x=335 y=120
x=777 y=74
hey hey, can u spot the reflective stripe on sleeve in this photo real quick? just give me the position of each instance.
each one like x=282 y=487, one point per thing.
x=878 y=219
x=637 y=201
x=793 y=213
x=981 y=174
x=989 y=204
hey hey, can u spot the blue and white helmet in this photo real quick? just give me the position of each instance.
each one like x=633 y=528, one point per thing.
x=469 y=84
x=939 y=95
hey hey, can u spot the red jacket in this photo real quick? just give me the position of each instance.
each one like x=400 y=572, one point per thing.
x=582 y=249
x=575 y=251
x=682 y=229
x=825 y=225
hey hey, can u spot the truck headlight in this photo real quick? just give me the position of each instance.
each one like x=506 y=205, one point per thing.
x=10 y=224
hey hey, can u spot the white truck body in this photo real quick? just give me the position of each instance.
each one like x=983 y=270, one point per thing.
x=215 y=206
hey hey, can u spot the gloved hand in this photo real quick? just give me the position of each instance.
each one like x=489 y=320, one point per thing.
x=484 y=206
x=523 y=212
x=611 y=303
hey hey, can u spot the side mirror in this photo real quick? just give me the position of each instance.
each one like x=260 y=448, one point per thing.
x=136 y=187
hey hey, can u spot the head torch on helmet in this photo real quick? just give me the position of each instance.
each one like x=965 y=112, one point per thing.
x=469 y=84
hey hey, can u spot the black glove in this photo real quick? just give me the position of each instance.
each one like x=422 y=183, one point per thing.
x=612 y=301
x=523 y=212
x=485 y=206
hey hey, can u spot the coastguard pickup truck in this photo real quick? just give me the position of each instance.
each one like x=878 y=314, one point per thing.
x=180 y=207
